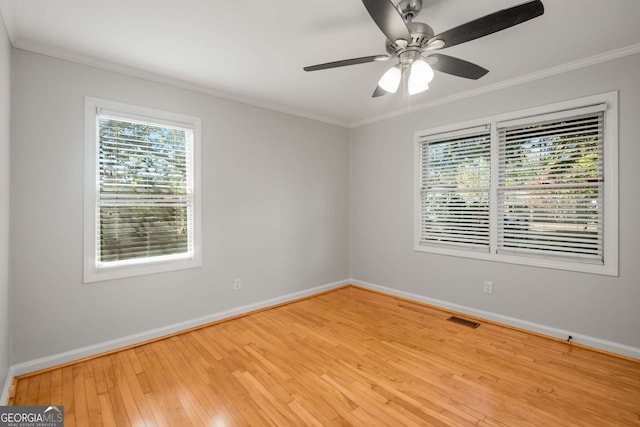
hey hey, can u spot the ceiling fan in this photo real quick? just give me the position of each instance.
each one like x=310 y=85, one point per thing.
x=411 y=43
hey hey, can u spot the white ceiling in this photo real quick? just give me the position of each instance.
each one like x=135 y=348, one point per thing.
x=254 y=50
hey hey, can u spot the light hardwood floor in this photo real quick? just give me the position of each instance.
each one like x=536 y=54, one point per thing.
x=348 y=357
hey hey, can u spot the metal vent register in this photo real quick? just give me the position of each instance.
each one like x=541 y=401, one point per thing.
x=464 y=322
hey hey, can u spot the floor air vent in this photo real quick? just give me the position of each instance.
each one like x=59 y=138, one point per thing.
x=464 y=322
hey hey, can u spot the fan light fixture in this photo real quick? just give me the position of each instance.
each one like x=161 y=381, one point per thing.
x=391 y=79
x=420 y=76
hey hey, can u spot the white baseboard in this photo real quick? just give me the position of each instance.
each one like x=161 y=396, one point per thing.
x=597 y=343
x=4 y=397
x=92 y=350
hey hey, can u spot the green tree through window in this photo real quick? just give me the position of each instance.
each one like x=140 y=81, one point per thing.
x=143 y=190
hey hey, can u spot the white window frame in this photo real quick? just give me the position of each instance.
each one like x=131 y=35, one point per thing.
x=94 y=270
x=610 y=202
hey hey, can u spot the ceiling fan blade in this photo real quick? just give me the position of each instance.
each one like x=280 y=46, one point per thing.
x=489 y=24
x=378 y=92
x=457 y=67
x=388 y=19
x=346 y=62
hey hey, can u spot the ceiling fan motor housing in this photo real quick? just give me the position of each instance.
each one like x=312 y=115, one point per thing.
x=420 y=35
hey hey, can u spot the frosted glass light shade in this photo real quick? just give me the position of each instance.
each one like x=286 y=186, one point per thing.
x=390 y=80
x=419 y=77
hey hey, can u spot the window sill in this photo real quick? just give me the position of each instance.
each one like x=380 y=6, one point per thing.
x=581 y=267
x=94 y=274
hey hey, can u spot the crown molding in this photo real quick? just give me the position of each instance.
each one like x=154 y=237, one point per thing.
x=163 y=79
x=182 y=84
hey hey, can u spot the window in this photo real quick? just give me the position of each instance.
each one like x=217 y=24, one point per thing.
x=141 y=191
x=536 y=187
x=455 y=183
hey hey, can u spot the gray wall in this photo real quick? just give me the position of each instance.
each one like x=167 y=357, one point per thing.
x=275 y=210
x=381 y=168
x=5 y=115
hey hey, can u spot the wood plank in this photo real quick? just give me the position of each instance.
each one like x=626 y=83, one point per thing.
x=80 y=395
x=20 y=392
x=91 y=394
x=68 y=397
x=44 y=392
x=115 y=403
x=348 y=357
x=33 y=389
x=56 y=388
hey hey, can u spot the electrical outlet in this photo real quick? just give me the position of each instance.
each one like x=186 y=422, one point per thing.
x=488 y=287
x=236 y=284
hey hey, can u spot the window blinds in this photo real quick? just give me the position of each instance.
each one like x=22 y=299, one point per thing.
x=145 y=189
x=550 y=185
x=454 y=188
